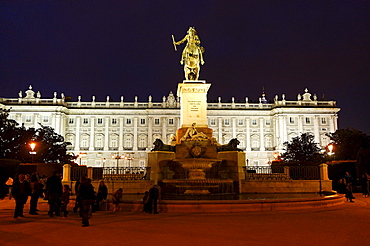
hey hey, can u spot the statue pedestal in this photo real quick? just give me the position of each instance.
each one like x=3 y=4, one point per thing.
x=193 y=96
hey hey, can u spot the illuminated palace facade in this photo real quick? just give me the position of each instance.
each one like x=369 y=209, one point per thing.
x=100 y=130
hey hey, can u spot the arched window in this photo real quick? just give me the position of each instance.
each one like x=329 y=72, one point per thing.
x=127 y=144
x=85 y=141
x=143 y=140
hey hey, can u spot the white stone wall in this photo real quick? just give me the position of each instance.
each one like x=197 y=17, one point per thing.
x=98 y=130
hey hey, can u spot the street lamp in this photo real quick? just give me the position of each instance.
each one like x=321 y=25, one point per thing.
x=104 y=160
x=118 y=157
x=32 y=152
x=80 y=155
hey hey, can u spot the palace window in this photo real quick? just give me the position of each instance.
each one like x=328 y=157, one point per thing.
x=240 y=122
x=156 y=121
x=226 y=122
x=28 y=118
x=268 y=122
x=212 y=122
x=114 y=121
x=128 y=121
x=291 y=120
x=86 y=121
x=142 y=121
x=100 y=121
x=323 y=121
x=308 y=120
x=71 y=121
x=254 y=122
x=170 y=121
x=46 y=118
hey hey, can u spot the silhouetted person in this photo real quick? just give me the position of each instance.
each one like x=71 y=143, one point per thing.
x=102 y=193
x=20 y=191
x=65 y=200
x=77 y=205
x=54 y=191
x=86 y=195
x=36 y=191
x=117 y=198
x=364 y=185
x=146 y=202
x=154 y=196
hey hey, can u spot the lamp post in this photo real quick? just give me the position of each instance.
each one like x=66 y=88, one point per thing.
x=32 y=152
x=330 y=153
x=118 y=157
x=80 y=155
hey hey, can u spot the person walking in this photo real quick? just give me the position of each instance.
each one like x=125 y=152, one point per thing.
x=35 y=194
x=364 y=185
x=65 y=200
x=102 y=193
x=117 y=199
x=20 y=191
x=54 y=189
x=86 y=196
x=154 y=197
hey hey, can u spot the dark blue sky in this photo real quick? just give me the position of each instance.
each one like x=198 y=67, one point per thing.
x=124 y=48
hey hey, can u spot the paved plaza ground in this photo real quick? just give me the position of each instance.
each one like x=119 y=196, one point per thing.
x=347 y=224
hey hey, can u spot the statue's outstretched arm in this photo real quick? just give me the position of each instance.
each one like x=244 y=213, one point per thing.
x=181 y=41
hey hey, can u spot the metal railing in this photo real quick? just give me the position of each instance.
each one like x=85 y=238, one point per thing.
x=126 y=173
x=111 y=173
x=282 y=173
x=304 y=172
x=265 y=173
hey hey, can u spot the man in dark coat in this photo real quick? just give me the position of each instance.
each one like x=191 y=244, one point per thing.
x=154 y=196
x=86 y=196
x=20 y=191
x=54 y=189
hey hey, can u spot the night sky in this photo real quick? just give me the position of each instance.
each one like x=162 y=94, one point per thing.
x=125 y=48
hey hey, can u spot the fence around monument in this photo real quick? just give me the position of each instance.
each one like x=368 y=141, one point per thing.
x=282 y=173
x=110 y=173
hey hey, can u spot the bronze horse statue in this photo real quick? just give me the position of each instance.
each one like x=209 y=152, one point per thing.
x=231 y=146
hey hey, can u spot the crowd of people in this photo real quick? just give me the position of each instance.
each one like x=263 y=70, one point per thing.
x=87 y=200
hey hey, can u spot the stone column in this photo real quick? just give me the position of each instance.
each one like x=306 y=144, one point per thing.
x=300 y=124
x=120 y=137
x=135 y=133
x=287 y=172
x=106 y=134
x=92 y=132
x=316 y=123
x=164 y=129
x=262 y=139
x=66 y=173
x=78 y=126
x=89 y=172
x=36 y=121
x=220 y=130
x=150 y=132
x=57 y=123
x=248 y=135
x=233 y=120
x=324 y=172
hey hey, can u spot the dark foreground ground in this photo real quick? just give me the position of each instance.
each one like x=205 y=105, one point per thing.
x=347 y=224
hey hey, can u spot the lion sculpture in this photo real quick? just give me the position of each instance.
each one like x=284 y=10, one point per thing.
x=231 y=146
x=160 y=146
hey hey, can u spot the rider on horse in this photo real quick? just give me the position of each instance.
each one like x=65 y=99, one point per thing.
x=193 y=41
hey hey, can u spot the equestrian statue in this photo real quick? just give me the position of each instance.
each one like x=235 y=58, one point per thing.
x=192 y=55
